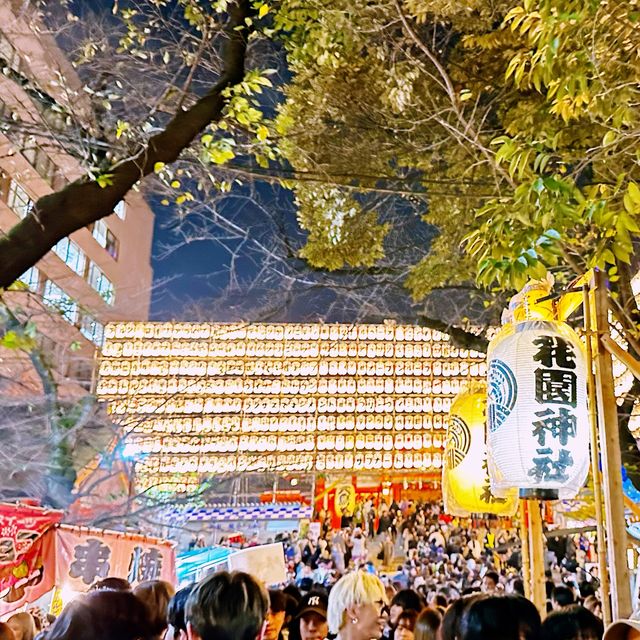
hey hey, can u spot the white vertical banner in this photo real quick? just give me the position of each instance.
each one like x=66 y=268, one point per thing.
x=266 y=563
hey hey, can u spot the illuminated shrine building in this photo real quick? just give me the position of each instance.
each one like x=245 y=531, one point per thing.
x=204 y=399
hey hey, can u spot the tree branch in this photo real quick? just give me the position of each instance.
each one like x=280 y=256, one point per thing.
x=59 y=214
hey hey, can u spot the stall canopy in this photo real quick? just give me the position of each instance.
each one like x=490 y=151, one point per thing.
x=193 y=565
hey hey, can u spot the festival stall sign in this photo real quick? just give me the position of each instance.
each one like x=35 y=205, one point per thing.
x=466 y=487
x=27 y=557
x=85 y=555
x=266 y=563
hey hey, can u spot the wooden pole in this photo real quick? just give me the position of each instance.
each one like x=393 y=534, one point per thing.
x=524 y=549
x=621 y=606
x=601 y=543
x=536 y=552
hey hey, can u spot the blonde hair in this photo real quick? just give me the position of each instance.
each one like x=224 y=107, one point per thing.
x=351 y=590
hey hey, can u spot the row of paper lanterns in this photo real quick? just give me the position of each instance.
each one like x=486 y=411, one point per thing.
x=112 y=367
x=526 y=432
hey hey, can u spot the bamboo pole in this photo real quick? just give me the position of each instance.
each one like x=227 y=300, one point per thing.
x=524 y=549
x=626 y=358
x=601 y=543
x=536 y=552
x=621 y=606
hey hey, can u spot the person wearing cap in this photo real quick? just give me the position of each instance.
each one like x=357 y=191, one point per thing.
x=623 y=630
x=310 y=622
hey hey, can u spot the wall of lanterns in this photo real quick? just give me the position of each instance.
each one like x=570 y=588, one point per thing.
x=214 y=398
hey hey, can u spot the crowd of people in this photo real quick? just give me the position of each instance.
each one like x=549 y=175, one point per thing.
x=453 y=580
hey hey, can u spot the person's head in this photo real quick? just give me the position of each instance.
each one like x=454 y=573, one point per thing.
x=427 y=624
x=357 y=602
x=6 y=633
x=276 y=614
x=504 y=617
x=102 y=615
x=490 y=582
x=311 y=617
x=591 y=603
x=572 y=623
x=156 y=595
x=227 y=606
x=405 y=625
x=449 y=628
x=623 y=630
x=518 y=587
x=23 y=626
x=176 y=613
x=561 y=596
x=111 y=584
x=404 y=599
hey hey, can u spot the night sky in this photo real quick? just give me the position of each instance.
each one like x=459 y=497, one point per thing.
x=205 y=271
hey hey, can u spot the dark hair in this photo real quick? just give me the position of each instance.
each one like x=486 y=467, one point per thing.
x=112 y=584
x=294 y=592
x=427 y=624
x=410 y=615
x=175 y=610
x=493 y=575
x=572 y=623
x=440 y=600
x=407 y=599
x=102 y=615
x=563 y=596
x=587 y=589
x=277 y=600
x=500 y=618
x=228 y=606
x=518 y=587
x=450 y=627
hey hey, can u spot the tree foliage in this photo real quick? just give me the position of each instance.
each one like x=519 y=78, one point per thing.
x=509 y=127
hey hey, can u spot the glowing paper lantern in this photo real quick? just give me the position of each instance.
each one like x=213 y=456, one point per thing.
x=465 y=477
x=538 y=427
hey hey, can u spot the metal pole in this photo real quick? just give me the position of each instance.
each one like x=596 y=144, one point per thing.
x=611 y=459
x=601 y=542
x=536 y=551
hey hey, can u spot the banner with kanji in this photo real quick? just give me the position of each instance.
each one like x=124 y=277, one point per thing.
x=27 y=556
x=86 y=555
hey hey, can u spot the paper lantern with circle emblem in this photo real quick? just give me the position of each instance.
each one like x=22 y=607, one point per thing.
x=538 y=421
x=465 y=477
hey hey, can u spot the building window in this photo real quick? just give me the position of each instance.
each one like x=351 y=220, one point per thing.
x=31 y=277
x=56 y=297
x=121 y=209
x=43 y=164
x=106 y=238
x=101 y=283
x=18 y=200
x=71 y=254
x=92 y=330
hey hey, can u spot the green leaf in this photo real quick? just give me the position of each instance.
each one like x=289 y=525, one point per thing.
x=264 y=9
x=105 y=180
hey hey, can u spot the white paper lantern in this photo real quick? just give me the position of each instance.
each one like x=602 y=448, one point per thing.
x=538 y=422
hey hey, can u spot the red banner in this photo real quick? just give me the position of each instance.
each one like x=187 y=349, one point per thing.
x=86 y=555
x=26 y=554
